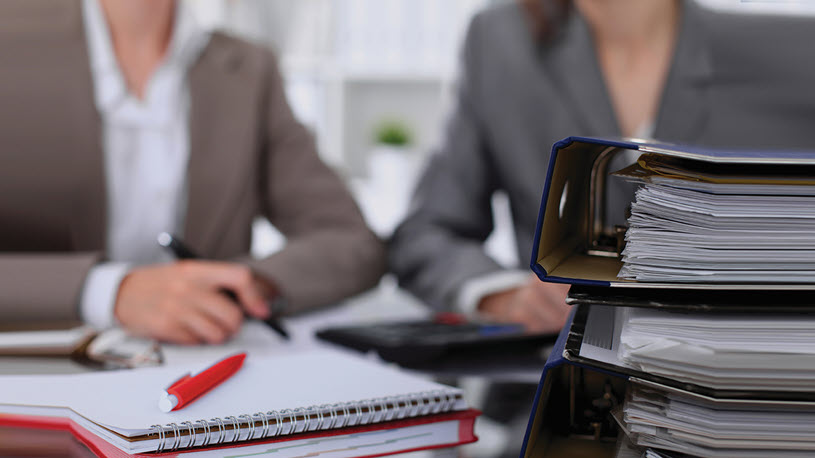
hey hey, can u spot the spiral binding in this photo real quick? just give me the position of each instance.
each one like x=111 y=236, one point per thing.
x=214 y=431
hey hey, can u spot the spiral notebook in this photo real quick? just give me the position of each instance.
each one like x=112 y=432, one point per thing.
x=270 y=397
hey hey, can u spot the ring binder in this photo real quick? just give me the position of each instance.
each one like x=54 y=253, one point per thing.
x=386 y=409
x=278 y=423
x=450 y=401
x=346 y=415
x=424 y=407
x=352 y=420
x=292 y=420
x=176 y=435
x=413 y=402
x=250 y=424
x=306 y=417
x=221 y=429
x=368 y=415
x=383 y=404
x=399 y=409
x=190 y=433
x=239 y=428
x=394 y=408
x=314 y=414
x=206 y=430
x=160 y=446
x=301 y=419
x=235 y=426
x=320 y=417
x=437 y=401
x=332 y=413
x=263 y=421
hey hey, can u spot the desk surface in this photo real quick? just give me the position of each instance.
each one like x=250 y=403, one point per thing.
x=384 y=303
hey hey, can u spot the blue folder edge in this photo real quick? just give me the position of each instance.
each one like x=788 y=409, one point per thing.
x=537 y=268
x=554 y=360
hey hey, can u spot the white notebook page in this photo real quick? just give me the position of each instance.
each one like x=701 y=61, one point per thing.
x=126 y=401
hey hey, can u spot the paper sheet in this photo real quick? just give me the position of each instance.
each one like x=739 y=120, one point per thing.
x=730 y=351
x=127 y=400
x=681 y=231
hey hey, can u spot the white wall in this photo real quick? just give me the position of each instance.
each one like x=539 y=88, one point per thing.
x=350 y=64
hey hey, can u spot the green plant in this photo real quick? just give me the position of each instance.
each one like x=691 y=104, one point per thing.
x=393 y=133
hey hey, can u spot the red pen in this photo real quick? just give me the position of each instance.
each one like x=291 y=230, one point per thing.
x=190 y=387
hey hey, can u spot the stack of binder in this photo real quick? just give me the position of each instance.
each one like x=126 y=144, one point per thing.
x=691 y=333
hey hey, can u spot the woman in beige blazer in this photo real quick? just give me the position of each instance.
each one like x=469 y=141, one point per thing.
x=248 y=157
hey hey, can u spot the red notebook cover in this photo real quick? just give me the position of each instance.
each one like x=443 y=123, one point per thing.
x=102 y=448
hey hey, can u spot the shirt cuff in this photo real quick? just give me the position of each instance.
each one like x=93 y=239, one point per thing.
x=99 y=294
x=475 y=289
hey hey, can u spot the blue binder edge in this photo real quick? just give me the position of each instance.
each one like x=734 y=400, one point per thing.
x=537 y=268
x=556 y=359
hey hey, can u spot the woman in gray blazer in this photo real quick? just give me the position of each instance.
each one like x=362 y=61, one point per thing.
x=537 y=71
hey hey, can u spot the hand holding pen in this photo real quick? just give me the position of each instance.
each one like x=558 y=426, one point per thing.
x=181 y=251
x=183 y=302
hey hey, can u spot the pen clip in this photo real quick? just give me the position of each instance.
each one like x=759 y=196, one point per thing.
x=183 y=378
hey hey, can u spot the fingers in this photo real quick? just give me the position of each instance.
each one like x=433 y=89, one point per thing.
x=184 y=302
x=212 y=316
x=204 y=328
x=179 y=335
x=544 y=305
x=552 y=314
x=540 y=307
x=198 y=317
x=234 y=277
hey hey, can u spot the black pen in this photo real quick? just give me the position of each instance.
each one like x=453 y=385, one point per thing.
x=180 y=250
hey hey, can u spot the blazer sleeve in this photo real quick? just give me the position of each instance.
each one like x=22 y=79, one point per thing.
x=330 y=253
x=439 y=246
x=47 y=286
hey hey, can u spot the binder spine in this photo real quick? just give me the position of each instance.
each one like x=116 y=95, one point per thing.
x=220 y=430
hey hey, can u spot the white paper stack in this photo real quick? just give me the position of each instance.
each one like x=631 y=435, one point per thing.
x=708 y=427
x=769 y=360
x=757 y=373
x=722 y=351
x=691 y=231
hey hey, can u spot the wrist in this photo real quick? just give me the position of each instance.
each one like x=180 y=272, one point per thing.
x=495 y=304
x=100 y=292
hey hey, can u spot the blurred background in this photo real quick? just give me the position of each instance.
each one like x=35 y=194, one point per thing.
x=373 y=79
x=370 y=78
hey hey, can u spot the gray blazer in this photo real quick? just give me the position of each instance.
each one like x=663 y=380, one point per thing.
x=248 y=157
x=741 y=81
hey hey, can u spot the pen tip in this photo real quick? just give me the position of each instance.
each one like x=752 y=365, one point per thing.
x=164 y=239
x=167 y=403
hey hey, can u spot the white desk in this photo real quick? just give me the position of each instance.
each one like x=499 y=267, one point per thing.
x=384 y=303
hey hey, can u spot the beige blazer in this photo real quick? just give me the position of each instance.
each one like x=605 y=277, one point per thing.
x=249 y=157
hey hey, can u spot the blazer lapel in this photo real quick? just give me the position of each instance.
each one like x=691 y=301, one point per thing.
x=571 y=62
x=684 y=107
x=221 y=131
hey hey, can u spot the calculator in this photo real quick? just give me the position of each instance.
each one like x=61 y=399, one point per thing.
x=447 y=336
